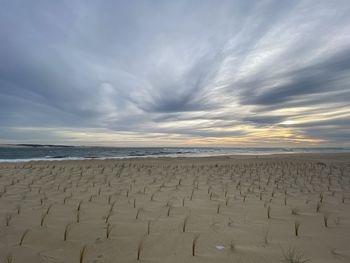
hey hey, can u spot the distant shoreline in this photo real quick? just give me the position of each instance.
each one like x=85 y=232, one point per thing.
x=267 y=156
x=33 y=145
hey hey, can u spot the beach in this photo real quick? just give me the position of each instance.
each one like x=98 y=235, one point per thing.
x=242 y=208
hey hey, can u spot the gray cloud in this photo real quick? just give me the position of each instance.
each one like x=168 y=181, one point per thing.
x=186 y=69
x=329 y=75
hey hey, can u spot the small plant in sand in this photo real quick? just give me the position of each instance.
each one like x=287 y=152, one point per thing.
x=296 y=227
x=184 y=224
x=225 y=193
x=8 y=219
x=209 y=188
x=269 y=212
x=65 y=199
x=335 y=252
x=78 y=217
x=18 y=209
x=295 y=211
x=67 y=229
x=321 y=197
x=139 y=211
x=8 y=258
x=108 y=216
x=227 y=201
x=194 y=244
x=265 y=203
x=49 y=209
x=266 y=236
x=42 y=220
x=139 y=248
x=149 y=227
x=111 y=208
x=230 y=222
x=291 y=256
x=337 y=220
x=82 y=254
x=325 y=219
x=318 y=207
x=169 y=210
x=108 y=230
x=42 y=200
x=24 y=234
x=79 y=205
x=153 y=195
x=211 y=196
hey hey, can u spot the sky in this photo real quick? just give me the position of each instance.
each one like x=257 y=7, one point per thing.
x=175 y=73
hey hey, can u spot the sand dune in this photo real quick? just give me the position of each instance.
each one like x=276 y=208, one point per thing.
x=291 y=208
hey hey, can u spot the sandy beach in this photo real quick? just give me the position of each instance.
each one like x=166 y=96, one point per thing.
x=276 y=208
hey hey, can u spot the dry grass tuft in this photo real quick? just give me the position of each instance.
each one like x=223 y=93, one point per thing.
x=108 y=216
x=138 y=213
x=337 y=220
x=232 y=246
x=24 y=234
x=149 y=227
x=109 y=229
x=318 y=206
x=49 y=209
x=169 y=210
x=78 y=217
x=42 y=220
x=140 y=247
x=295 y=211
x=79 y=205
x=66 y=231
x=192 y=193
x=321 y=197
x=325 y=219
x=8 y=219
x=266 y=236
x=296 y=227
x=8 y=258
x=82 y=254
x=18 y=209
x=291 y=256
x=184 y=225
x=194 y=244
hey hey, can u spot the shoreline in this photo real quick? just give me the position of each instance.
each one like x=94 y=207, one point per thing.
x=161 y=157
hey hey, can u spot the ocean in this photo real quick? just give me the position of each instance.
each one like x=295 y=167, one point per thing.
x=22 y=153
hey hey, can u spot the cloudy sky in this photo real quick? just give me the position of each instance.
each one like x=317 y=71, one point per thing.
x=167 y=73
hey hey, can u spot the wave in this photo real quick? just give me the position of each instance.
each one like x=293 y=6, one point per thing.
x=103 y=153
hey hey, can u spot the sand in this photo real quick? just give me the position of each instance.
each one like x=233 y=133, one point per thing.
x=217 y=209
